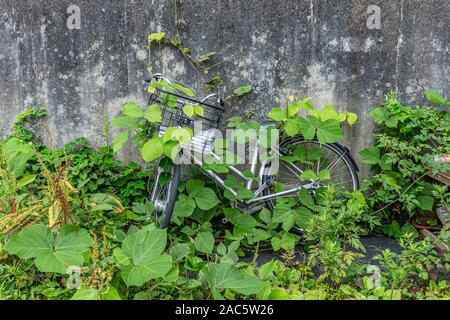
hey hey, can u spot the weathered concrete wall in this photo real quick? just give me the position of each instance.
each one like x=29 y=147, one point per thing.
x=319 y=48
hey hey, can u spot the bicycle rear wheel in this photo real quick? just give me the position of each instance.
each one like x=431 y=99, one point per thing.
x=164 y=194
x=310 y=155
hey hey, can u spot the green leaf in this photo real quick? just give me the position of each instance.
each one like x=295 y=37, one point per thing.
x=303 y=217
x=370 y=155
x=180 y=251
x=288 y=223
x=244 y=194
x=265 y=271
x=138 y=275
x=51 y=254
x=205 y=198
x=204 y=242
x=352 y=118
x=265 y=215
x=86 y=293
x=309 y=175
x=168 y=134
x=217 y=168
x=132 y=109
x=278 y=114
x=125 y=122
x=385 y=162
x=242 y=220
x=188 y=110
x=278 y=294
x=307 y=104
x=378 y=115
x=119 y=141
x=291 y=128
x=26 y=180
x=357 y=201
x=410 y=229
x=171 y=149
x=324 y=175
x=153 y=113
x=243 y=90
x=434 y=96
x=306 y=198
x=281 y=213
x=425 y=202
x=288 y=241
x=293 y=109
x=214 y=82
x=393 y=229
x=205 y=57
x=144 y=248
x=18 y=153
x=199 y=111
x=184 y=207
x=183 y=89
x=257 y=235
x=226 y=276
x=170 y=100
x=329 y=132
x=246 y=284
x=276 y=243
x=110 y=294
x=194 y=184
x=183 y=135
x=156 y=37
x=105 y=202
x=392 y=294
x=152 y=150
x=31 y=242
x=308 y=126
x=120 y=257
x=328 y=113
x=233 y=122
x=221 y=249
x=392 y=122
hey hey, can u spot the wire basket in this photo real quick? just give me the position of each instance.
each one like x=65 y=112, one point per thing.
x=172 y=114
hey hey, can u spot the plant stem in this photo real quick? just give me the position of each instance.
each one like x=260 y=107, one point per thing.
x=406 y=190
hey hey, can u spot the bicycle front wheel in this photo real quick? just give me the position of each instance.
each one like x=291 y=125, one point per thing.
x=164 y=194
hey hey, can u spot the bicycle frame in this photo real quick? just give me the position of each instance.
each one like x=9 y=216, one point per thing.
x=258 y=198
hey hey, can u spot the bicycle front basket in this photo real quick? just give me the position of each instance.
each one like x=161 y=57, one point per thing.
x=172 y=106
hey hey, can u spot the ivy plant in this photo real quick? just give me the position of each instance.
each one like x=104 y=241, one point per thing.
x=407 y=141
x=323 y=124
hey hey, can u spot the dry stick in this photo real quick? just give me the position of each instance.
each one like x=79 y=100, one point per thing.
x=406 y=190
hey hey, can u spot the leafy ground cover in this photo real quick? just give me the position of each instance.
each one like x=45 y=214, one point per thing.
x=75 y=223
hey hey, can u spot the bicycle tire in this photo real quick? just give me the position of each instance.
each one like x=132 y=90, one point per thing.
x=171 y=197
x=340 y=150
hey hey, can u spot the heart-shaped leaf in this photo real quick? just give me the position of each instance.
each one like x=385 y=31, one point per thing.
x=226 y=276
x=329 y=132
x=144 y=248
x=205 y=198
x=132 y=109
x=204 y=242
x=119 y=141
x=52 y=254
x=152 y=150
x=153 y=114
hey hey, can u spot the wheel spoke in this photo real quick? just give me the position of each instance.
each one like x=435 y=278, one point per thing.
x=329 y=158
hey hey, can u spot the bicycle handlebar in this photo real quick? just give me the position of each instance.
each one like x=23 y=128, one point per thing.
x=159 y=76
